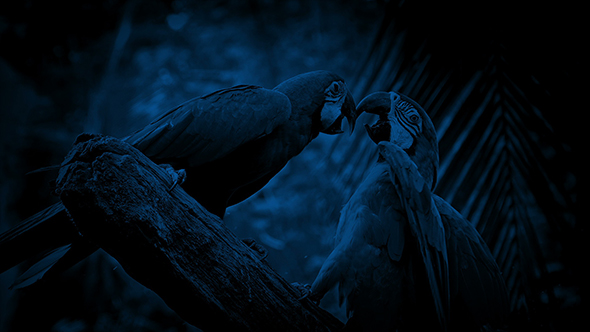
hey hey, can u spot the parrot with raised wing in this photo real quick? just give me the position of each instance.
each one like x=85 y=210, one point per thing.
x=404 y=259
x=230 y=143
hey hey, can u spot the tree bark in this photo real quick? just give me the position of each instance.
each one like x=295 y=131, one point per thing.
x=121 y=201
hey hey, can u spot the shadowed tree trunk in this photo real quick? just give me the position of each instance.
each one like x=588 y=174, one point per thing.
x=122 y=202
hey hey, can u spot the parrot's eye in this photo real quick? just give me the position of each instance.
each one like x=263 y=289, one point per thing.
x=414 y=118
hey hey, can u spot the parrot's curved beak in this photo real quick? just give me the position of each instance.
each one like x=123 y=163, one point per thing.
x=335 y=113
x=377 y=103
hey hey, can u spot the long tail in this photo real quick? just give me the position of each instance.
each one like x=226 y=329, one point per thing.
x=47 y=236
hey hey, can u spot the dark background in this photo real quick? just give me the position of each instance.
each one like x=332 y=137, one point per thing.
x=504 y=85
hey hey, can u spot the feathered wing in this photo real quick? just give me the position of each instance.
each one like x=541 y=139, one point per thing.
x=473 y=270
x=424 y=221
x=198 y=131
x=364 y=264
x=209 y=127
x=350 y=247
x=368 y=223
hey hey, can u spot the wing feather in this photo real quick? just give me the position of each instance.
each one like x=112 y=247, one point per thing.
x=424 y=221
x=368 y=223
x=478 y=280
x=209 y=127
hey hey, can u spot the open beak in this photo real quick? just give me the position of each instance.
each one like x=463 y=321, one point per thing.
x=380 y=131
x=377 y=103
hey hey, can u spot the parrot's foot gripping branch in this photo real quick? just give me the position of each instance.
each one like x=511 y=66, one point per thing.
x=306 y=293
x=257 y=248
x=178 y=176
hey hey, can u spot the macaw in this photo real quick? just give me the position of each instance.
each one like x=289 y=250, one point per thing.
x=230 y=143
x=404 y=259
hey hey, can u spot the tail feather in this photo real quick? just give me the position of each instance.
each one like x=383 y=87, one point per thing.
x=38 y=270
x=51 y=168
x=55 y=262
x=41 y=233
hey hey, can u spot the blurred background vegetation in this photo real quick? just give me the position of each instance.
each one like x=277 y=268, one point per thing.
x=503 y=84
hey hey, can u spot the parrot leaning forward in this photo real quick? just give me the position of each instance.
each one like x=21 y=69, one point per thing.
x=404 y=259
x=230 y=144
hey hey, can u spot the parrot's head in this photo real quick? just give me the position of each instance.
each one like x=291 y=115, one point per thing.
x=404 y=122
x=323 y=97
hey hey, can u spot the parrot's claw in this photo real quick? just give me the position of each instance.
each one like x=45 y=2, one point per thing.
x=306 y=293
x=304 y=290
x=260 y=250
x=178 y=176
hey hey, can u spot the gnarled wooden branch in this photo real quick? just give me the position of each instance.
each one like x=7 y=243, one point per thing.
x=164 y=239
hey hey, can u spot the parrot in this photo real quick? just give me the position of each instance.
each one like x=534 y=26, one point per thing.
x=224 y=147
x=404 y=258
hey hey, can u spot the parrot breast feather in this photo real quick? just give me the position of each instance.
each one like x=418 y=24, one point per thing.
x=209 y=127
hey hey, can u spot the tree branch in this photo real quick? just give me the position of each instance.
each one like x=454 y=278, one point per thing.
x=120 y=200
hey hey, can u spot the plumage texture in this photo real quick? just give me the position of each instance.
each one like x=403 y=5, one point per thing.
x=404 y=259
x=369 y=247
x=230 y=143
x=476 y=281
x=233 y=141
x=209 y=127
x=424 y=221
x=377 y=257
